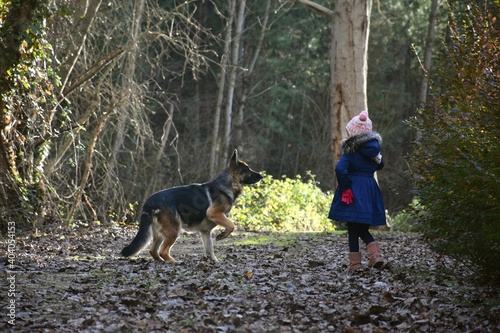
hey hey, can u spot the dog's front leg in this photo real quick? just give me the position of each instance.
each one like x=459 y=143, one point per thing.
x=208 y=245
x=223 y=234
x=216 y=214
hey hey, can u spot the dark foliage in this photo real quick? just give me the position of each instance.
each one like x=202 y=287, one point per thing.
x=26 y=91
x=457 y=155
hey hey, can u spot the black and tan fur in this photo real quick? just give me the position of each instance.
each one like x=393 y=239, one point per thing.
x=196 y=207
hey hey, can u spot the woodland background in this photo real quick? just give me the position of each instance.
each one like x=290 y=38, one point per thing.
x=117 y=100
x=104 y=103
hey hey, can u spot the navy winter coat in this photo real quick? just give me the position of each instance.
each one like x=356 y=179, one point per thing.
x=355 y=170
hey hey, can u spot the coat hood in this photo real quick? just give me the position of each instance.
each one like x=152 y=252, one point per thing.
x=352 y=144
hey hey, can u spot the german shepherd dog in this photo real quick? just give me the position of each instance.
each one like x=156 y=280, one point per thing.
x=196 y=207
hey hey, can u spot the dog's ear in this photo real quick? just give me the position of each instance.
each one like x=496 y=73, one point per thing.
x=234 y=158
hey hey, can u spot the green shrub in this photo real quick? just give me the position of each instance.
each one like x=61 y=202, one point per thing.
x=457 y=154
x=283 y=205
x=408 y=220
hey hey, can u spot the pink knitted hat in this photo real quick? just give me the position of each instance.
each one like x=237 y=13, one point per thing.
x=359 y=124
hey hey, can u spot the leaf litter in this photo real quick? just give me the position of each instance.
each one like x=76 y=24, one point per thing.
x=70 y=280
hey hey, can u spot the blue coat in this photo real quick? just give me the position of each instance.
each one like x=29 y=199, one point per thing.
x=355 y=170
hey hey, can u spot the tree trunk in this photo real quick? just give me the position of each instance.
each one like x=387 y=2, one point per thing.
x=16 y=21
x=350 y=30
x=220 y=94
x=235 y=65
x=247 y=74
x=348 y=63
x=429 y=44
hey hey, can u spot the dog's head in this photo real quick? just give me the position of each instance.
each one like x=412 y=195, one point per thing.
x=242 y=171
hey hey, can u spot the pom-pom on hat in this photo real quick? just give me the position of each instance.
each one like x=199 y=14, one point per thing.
x=359 y=124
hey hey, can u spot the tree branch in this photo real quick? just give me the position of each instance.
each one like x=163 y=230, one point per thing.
x=94 y=69
x=319 y=8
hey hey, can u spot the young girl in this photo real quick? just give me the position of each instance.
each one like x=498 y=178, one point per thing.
x=358 y=200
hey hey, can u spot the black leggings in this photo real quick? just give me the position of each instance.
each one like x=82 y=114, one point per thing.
x=356 y=231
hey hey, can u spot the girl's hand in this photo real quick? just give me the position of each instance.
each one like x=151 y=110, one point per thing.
x=378 y=158
x=347 y=197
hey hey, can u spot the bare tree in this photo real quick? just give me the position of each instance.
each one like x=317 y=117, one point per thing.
x=128 y=109
x=221 y=87
x=429 y=46
x=247 y=74
x=88 y=164
x=237 y=67
x=102 y=160
x=159 y=155
x=84 y=14
x=233 y=70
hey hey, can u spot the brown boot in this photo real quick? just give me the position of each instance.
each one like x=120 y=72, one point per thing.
x=375 y=256
x=354 y=261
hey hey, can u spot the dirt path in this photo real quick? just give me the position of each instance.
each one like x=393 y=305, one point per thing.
x=72 y=280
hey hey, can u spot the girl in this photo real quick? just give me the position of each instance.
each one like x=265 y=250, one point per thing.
x=358 y=200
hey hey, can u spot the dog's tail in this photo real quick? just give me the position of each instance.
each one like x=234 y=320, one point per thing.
x=142 y=238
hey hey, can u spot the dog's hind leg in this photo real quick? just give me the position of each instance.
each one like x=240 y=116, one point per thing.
x=155 y=246
x=157 y=240
x=166 y=246
x=208 y=245
x=170 y=230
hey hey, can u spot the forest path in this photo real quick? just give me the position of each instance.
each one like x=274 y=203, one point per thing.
x=69 y=280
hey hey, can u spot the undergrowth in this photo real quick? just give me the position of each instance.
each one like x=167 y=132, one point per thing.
x=283 y=205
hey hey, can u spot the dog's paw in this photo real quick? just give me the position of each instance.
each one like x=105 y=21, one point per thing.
x=223 y=234
x=209 y=259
